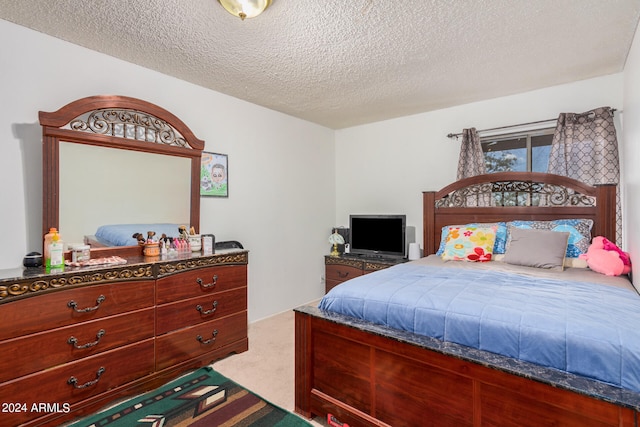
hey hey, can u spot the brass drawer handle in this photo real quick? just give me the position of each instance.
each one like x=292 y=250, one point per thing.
x=208 y=285
x=210 y=340
x=74 y=341
x=74 y=305
x=74 y=381
x=207 y=312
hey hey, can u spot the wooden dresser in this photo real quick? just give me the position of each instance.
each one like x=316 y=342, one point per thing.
x=344 y=267
x=72 y=342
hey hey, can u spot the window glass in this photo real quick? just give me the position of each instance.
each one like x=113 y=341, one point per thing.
x=505 y=155
x=540 y=150
x=521 y=152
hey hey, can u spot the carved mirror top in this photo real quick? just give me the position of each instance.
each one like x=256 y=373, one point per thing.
x=129 y=124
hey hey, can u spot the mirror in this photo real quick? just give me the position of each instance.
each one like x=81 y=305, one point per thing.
x=100 y=186
x=117 y=160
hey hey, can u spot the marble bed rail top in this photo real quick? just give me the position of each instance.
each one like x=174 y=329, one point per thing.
x=553 y=377
x=22 y=282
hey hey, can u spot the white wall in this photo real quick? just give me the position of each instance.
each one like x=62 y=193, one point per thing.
x=631 y=153
x=385 y=166
x=281 y=173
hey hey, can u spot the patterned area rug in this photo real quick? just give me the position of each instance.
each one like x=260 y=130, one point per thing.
x=202 y=398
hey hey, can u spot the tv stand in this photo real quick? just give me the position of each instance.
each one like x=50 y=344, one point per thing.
x=347 y=266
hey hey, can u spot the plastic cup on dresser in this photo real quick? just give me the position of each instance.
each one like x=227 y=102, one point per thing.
x=195 y=242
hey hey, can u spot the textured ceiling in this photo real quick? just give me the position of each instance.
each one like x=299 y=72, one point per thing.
x=343 y=63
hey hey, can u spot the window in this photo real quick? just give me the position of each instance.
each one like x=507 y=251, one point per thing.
x=518 y=152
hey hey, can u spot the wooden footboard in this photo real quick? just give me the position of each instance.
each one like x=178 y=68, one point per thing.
x=365 y=378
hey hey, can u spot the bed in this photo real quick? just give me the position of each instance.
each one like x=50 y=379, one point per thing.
x=366 y=364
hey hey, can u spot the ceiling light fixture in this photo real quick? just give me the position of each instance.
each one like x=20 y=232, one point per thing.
x=245 y=8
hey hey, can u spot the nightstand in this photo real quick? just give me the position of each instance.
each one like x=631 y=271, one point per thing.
x=344 y=267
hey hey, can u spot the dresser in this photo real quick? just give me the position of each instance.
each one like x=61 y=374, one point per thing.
x=72 y=342
x=344 y=267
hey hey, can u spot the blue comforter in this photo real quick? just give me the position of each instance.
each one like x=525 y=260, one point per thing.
x=588 y=329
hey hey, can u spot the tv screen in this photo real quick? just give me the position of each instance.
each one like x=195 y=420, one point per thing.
x=378 y=235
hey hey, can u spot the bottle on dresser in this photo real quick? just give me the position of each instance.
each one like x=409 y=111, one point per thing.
x=53 y=250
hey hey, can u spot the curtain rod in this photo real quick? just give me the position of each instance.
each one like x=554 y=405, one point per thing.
x=456 y=135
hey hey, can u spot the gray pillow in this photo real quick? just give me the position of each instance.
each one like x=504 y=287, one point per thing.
x=536 y=248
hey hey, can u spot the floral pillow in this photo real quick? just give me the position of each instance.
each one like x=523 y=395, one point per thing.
x=499 y=245
x=469 y=243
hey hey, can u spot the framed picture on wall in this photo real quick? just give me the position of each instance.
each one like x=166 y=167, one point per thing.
x=214 y=175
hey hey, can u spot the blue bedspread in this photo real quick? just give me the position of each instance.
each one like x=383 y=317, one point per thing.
x=587 y=329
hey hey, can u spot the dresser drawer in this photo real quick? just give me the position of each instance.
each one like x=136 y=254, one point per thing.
x=56 y=309
x=51 y=348
x=340 y=273
x=194 y=283
x=190 y=312
x=192 y=342
x=93 y=375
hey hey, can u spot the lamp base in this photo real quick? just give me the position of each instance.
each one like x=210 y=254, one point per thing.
x=335 y=252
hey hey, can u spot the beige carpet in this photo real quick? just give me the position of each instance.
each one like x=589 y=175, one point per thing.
x=267 y=368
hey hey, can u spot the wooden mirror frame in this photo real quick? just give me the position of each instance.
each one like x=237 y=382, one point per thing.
x=173 y=138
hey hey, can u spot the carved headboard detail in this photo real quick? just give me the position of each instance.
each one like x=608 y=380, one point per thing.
x=508 y=196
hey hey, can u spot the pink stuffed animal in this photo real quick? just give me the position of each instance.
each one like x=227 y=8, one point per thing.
x=605 y=257
x=610 y=246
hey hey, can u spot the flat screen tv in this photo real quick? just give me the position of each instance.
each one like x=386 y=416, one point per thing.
x=378 y=235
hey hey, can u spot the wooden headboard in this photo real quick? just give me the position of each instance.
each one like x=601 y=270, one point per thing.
x=508 y=196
